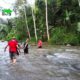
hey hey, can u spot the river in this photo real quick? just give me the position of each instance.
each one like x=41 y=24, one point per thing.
x=48 y=63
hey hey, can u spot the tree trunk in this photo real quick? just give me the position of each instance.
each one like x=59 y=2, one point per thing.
x=47 y=20
x=27 y=24
x=34 y=24
x=79 y=2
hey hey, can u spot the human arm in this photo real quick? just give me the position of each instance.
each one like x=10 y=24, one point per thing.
x=5 y=48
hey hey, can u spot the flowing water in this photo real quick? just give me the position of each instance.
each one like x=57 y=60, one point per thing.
x=49 y=63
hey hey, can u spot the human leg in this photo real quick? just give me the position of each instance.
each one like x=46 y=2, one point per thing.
x=13 y=57
x=26 y=51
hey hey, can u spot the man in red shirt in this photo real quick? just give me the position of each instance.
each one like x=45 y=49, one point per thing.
x=13 y=44
x=40 y=43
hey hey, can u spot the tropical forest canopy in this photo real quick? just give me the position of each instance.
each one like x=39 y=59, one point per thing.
x=53 y=21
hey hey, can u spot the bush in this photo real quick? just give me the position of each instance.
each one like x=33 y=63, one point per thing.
x=11 y=34
x=79 y=37
x=71 y=38
x=57 y=36
x=60 y=36
x=33 y=40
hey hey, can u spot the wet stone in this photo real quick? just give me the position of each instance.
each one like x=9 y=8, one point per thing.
x=76 y=66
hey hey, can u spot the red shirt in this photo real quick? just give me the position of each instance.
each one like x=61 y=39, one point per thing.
x=39 y=43
x=12 y=45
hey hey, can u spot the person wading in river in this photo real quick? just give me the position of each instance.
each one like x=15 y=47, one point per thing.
x=40 y=43
x=26 y=46
x=13 y=45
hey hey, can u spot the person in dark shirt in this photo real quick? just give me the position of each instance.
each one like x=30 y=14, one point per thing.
x=26 y=47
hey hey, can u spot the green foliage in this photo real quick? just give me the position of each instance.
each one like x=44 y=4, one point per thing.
x=64 y=13
x=3 y=30
x=60 y=36
x=40 y=18
x=78 y=37
x=21 y=28
x=10 y=35
x=13 y=33
x=71 y=38
x=33 y=40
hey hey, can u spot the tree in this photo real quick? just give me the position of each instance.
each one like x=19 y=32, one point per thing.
x=27 y=23
x=47 y=15
x=47 y=19
x=34 y=24
x=34 y=19
x=21 y=7
x=79 y=2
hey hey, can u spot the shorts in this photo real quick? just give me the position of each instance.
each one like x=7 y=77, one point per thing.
x=12 y=55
